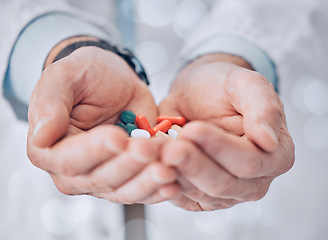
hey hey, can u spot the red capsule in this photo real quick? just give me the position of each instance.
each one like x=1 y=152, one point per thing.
x=174 y=120
x=163 y=126
x=142 y=123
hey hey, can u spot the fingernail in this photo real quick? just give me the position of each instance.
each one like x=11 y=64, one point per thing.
x=163 y=193
x=171 y=176
x=112 y=146
x=269 y=130
x=40 y=124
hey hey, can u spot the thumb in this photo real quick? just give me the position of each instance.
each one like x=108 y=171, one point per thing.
x=49 y=111
x=48 y=128
x=263 y=114
x=169 y=106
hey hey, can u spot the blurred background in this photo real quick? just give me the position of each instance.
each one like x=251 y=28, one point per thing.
x=294 y=208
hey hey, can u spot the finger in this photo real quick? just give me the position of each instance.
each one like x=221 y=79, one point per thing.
x=231 y=123
x=65 y=185
x=183 y=201
x=206 y=202
x=116 y=171
x=186 y=203
x=80 y=153
x=165 y=193
x=169 y=107
x=143 y=103
x=261 y=107
x=144 y=184
x=116 y=96
x=51 y=103
x=208 y=176
x=237 y=155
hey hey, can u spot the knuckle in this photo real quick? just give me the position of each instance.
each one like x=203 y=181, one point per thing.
x=33 y=157
x=37 y=160
x=260 y=191
x=259 y=195
x=285 y=151
x=256 y=195
x=96 y=195
x=97 y=180
x=289 y=154
x=291 y=157
x=276 y=109
x=63 y=187
x=93 y=183
x=64 y=190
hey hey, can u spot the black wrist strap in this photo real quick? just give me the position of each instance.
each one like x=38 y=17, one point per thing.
x=126 y=54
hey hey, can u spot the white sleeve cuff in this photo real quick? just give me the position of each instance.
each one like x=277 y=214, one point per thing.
x=34 y=44
x=234 y=45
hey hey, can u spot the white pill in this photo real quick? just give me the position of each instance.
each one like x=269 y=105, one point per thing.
x=140 y=133
x=176 y=128
x=173 y=133
x=163 y=135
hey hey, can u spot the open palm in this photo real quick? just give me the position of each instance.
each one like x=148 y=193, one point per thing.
x=240 y=142
x=72 y=137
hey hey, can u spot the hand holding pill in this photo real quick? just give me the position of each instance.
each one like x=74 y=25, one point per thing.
x=72 y=137
x=236 y=142
x=241 y=143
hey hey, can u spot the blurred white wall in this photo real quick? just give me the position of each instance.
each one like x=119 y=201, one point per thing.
x=294 y=208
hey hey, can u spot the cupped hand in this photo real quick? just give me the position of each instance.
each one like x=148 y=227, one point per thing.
x=71 y=136
x=241 y=143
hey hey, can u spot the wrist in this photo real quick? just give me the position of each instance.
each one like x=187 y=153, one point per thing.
x=202 y=62
x=60 y=46
x=68 y=46
x=222 y=57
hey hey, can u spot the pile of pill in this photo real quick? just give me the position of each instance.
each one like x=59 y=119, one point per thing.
x=138 y=126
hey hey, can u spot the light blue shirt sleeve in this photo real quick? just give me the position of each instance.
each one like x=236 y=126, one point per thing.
x=32 y=47
x=234 y=45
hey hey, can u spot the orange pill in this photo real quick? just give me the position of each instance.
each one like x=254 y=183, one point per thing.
x=143 y=123
x=163 y=126
x=174 y=120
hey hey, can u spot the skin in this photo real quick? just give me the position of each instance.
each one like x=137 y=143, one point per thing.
x=71 y=134
x=236 y=142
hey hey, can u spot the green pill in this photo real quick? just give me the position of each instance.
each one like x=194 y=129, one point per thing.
x=130 y=127
x=120 y=125
x=128 y=117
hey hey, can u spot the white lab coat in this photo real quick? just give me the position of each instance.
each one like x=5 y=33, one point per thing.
x=293 y=34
